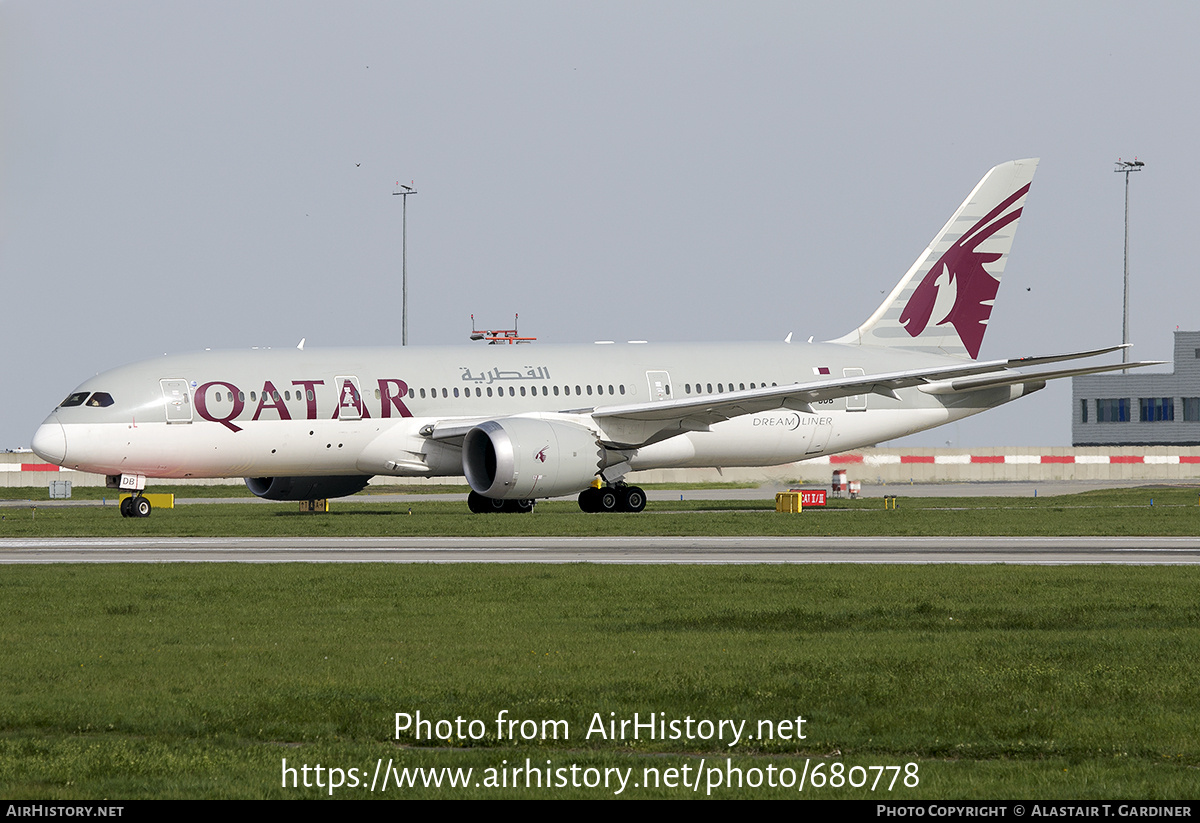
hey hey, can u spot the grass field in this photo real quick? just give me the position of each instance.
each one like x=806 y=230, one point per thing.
x=199 y=681
x=1146 y=511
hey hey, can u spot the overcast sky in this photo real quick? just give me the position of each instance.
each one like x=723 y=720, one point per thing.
x=185 y=175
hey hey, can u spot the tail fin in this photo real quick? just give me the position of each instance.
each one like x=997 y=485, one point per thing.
x=944 y=301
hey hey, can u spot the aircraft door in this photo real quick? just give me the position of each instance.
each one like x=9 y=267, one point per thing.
x=177 y=400
x=660 y=385
x=855 y=402
x=350 y=402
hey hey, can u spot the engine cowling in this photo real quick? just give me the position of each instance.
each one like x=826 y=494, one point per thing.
x=306 y=488
x=524 y=457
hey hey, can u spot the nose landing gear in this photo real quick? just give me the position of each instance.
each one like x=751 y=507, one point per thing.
x=136 y=506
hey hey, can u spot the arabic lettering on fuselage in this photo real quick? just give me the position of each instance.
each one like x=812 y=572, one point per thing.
x=489 y=377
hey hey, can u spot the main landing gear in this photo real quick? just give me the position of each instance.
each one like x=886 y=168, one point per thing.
x=136 y=506
x=479 y=504
x=619 y=498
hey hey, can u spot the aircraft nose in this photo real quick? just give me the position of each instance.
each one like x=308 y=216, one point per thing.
x=50 y=442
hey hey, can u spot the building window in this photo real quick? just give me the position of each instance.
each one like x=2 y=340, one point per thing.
x=1114 y=410
x=1083 y=411
x=1191 y=409
x=1158 y=409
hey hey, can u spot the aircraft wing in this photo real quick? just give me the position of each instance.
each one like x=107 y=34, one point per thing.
x=632 y=425
x=639 y=424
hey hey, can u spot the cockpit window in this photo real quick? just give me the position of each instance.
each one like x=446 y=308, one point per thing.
x=100 y=398
x=75 y=399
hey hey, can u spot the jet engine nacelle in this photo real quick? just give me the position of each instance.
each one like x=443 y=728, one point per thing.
x=521 y=458
x=306 y=488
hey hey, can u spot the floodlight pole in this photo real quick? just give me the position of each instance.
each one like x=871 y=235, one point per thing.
x=1125 y=167
x=404 y=264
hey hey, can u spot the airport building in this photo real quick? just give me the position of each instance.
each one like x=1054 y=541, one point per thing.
x=1138 y=408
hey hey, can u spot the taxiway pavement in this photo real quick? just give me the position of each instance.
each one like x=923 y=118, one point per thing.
x=624 y=550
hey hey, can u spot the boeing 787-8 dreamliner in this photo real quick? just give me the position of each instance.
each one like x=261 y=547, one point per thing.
x=538 y=421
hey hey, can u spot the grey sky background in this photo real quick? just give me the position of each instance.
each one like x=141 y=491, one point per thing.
x=184 y=175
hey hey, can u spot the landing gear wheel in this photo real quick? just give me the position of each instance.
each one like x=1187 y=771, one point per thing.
x=126 y=507
x=479 y=504
x=607 y=500
x=633 y=499
x=140 y=507
x=588 y=500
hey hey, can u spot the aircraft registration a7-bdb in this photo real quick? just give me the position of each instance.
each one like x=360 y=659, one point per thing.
x=537 y=421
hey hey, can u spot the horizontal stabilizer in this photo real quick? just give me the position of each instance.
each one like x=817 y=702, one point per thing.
x=994 y=381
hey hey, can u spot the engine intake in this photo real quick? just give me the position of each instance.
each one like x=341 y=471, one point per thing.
x=526 y=457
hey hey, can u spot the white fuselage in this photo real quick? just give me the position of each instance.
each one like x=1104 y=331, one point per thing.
x=369 y=411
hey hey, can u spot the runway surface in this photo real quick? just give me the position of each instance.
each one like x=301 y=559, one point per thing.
x=626 y=550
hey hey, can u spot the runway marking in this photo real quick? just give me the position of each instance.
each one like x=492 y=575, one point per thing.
x=607 y=550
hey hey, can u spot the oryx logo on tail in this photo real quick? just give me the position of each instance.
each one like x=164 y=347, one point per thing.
x=943 y=303
x=961 y=273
